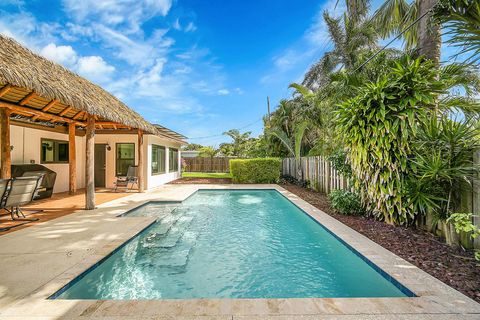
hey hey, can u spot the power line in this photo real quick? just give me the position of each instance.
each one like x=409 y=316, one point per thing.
x=220 y=135
x=391 y=41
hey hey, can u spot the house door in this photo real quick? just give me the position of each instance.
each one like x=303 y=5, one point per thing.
x=100 y=165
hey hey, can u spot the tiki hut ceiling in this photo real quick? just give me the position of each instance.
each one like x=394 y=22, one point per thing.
x=43 y=91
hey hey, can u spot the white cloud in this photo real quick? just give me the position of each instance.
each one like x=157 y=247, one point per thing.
x=135 y=52
x=238 y=90
x=64 y=55
x=127 y=14
x=190 y=27
x=95 y=68
x=223 y=92
x=176 y=25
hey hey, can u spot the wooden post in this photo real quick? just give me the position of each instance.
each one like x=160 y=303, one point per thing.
x=476 y=199
x=72 y=160
x=6 y=160
x=90 y=163
x=140 y=162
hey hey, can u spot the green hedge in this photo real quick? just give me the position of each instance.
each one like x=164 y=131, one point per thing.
x=259 y=170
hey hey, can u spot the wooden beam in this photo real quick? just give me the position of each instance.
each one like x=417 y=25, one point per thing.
x=58 y=129
x=39 y=113
x=5 y=89
x=50 y=105
x=109 y=123
x=90 y=163
x=65 y=111
x=72 y=160
x=5 y=160
x=80 y=113
x=141 y=163
x=27 y=98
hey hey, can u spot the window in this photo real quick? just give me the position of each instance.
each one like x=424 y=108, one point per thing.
x=54 y=151
x=125 y=158
x=173 y=160
x=158 y=159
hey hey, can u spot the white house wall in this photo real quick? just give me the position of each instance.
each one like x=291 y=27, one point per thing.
x=159 y=179
x=26 y=144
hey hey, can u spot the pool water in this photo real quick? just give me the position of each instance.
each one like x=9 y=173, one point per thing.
x=231 y=244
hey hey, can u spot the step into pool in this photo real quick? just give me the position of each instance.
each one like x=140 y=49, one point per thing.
x=232 y=244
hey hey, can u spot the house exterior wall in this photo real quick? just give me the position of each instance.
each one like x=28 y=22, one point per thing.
x=26 y=144
x=159 y=179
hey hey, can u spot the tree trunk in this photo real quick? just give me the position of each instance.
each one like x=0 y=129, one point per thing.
x=429 y=37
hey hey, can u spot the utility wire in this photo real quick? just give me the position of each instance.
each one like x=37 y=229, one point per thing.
x=358 y=68
x=219 y=135
x=391 y=41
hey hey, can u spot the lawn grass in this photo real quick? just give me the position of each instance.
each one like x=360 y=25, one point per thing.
x=214 y=175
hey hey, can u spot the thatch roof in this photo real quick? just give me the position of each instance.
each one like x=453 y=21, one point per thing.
x=25 y=69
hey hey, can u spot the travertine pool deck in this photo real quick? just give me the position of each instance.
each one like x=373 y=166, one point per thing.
x=39 y=260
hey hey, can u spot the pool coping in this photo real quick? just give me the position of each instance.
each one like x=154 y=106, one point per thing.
x=433 y=296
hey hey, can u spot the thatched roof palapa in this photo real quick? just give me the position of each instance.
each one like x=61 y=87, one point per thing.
x=20 y=67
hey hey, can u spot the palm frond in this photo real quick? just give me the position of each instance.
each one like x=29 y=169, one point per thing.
x=461 y=19
x=390 y=17
x=284 y=139
x=299 y=133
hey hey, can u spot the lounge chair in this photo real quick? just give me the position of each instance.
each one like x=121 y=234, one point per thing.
x=21 y=192
x=131 y=178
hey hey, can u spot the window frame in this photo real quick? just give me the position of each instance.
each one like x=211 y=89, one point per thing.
x=56 y=142
x=159 y=147
x=170 y=169
x=116 y=156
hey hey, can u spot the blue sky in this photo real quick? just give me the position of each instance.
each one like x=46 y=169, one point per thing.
x=198 y=67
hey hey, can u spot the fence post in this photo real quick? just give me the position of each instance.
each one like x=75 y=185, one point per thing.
x=327 y=175
x=476 y=199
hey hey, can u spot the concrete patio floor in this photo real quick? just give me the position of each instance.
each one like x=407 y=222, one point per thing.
x=60 y=204
x=39 y=260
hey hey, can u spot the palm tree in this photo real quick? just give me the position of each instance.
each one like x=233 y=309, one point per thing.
x=239 y=140
x=293 y=144
x=461 y=19
x=394 y=16
x=350 y=34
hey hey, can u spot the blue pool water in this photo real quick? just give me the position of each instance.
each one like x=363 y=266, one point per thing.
x=231 y=244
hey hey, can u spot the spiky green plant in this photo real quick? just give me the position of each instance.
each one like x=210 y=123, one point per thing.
x=378 y=127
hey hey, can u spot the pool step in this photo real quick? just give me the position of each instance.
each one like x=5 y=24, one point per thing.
x=161 y=229
x=176 y=256
x=175 y=232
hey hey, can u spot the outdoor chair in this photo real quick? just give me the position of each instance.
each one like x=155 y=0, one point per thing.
x=130 y=179
x=4 y=184
x=22 y=190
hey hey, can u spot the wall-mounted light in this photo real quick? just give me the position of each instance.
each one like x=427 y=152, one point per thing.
x=11 y=148
x=108 y=147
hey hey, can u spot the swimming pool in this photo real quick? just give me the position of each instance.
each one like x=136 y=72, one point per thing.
x=232 y=244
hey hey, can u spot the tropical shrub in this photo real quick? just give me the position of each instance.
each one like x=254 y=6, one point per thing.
x=346 y=202
x=378 y=126
x=462 y=222
x=442 y=164
x=259 y=170
x=340 y=163
x=284 y=179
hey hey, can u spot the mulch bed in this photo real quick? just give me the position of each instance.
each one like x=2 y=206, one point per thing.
x=455 y=267
x=202 y=181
